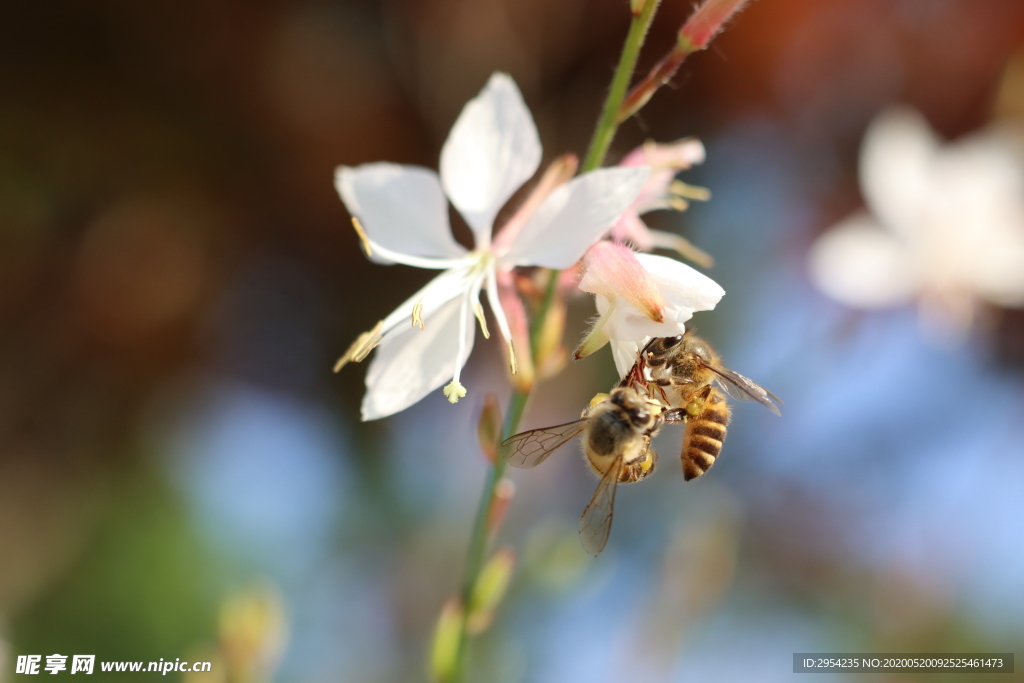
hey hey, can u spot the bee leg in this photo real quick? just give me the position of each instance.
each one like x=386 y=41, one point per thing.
x=661 y=390
x=675 y=415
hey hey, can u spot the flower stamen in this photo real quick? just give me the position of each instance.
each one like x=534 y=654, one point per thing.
x=684 y=247
x=479 y=311
x=361 y=347
x=454 y=391
x=494 y=298
x=364 y=241
x=417 y=314
x=512 y=357
x=695 y=192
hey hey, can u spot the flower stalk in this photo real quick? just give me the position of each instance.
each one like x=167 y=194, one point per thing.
x=694 y=36
x=608 y=122
x=603 y=135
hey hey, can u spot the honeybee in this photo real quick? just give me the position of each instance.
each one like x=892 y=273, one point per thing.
x=693 y=374
x=617 y=431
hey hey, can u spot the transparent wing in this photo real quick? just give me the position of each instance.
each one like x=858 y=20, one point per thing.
x=529 y=449
x=596 y=520
x=743 y=389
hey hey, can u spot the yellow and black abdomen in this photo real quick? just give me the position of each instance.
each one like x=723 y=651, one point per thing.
x=705 y=433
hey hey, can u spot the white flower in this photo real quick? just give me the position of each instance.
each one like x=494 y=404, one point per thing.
x=492 y=149
x=638 y=297
x=946 y=225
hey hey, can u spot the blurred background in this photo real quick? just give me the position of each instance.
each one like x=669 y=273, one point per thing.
x=177 y=276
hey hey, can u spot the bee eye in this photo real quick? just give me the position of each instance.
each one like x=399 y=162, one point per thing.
x=672 y=341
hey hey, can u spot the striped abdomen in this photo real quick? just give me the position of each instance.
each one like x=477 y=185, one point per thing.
x=704 y=435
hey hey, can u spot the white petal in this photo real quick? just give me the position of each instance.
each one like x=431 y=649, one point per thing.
x=683 y=288
x=624 y=353
x=493 y=148
x=859 y=264
x=402 y=208
x=574 y=216
x=628 y=330
x=896 y=159
x=410 y=362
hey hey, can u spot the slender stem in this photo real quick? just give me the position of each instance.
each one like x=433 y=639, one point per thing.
x=603 y=134
x=478 y=540
x=608 y=123
x=695 y=35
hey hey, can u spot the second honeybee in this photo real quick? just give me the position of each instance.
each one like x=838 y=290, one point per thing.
x=617 y=431
x=689 y=374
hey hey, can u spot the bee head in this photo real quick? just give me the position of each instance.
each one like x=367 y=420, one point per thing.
x=696 y=347
x=659 y=349
x=662 y=345
x=633 y=404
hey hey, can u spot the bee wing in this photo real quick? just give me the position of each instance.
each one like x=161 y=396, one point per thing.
x=531 y=448
x=743 y=389
x=596 y=520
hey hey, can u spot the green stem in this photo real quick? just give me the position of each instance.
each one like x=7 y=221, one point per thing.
x=608 y=123
x=603 y=135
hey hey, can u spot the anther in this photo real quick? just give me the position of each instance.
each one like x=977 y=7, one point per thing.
x=479 y=311
x=364 y=241
x=417 y=314
x=512 y=356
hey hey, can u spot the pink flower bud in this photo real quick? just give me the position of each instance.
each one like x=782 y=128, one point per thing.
x=706 y=22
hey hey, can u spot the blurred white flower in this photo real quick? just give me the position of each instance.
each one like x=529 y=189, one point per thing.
x=638 y=297
x=663 y=191
x=402 y=217
x=946 y=226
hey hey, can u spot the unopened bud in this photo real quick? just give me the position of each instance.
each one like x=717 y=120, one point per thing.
x=695 y=35
x=444 y=650
x=551 y=354
x=253 y=632
x=490 y=589
x=503 y=494
x=706 y=22
x=596 y=338
x=488 y=429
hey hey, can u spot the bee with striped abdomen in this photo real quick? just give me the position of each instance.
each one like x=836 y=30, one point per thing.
x=689 y=374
